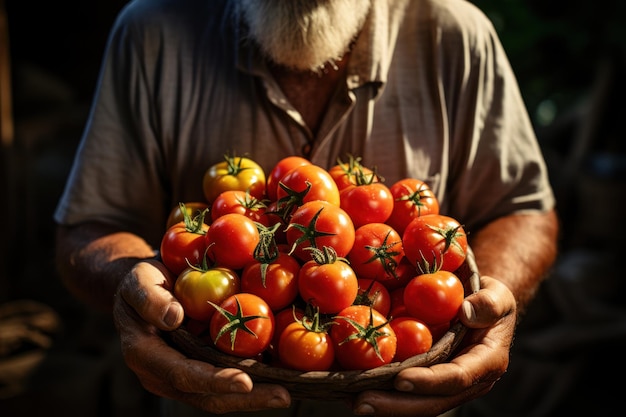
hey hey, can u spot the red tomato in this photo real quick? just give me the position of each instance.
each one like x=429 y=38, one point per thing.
x=435 y=241
x=231 y=241
x=345 y=174
x=327 y=282
x=242 y=326
x=367 y=203
x=184 y=243
x=373 y=294
x=363 y=338
x=414 y=337
x=376 y=252
x=412 y=198
x=279 y=170
x=306 y=347
x=273 y=217
x=397 y=309
x=282 y=319
x=192 y=209
x=234 y=173
x=237 y=201
x=276 y=282
x=196 y=287
x=434 y=297
x=307 y=183
x=318 y=224
x=404 y=272
x=438 y=330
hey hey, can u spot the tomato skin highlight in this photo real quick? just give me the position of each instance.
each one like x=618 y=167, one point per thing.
x=330 y=287
x=435 y=240
x=305 y=350
x=333 y=222
x=231 y=240
x=282 y=319
x=435 y=297
x=279 y=170
x=236 y=201
x=367 y=203
x=377 y=252
x=234 y=173
x=323 y=187
x=261 y=326
x=281 y=281
x=412 y=198
x=180 y=247
x=414 y=337
x=194 y=288
x=358 y=353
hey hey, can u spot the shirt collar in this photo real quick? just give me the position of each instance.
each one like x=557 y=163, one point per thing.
x=368 y=59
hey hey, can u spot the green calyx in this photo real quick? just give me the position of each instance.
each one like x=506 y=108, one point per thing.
x=236 y=321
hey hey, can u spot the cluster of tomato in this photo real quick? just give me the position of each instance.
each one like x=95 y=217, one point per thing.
x=315 y=269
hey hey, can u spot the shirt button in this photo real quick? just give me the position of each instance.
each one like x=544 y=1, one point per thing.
x=306 y=149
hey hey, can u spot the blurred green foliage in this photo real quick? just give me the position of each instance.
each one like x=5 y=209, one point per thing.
x=556 y=46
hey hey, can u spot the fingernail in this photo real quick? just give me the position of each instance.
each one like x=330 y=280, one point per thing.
x=238 y=387
x=364 y=409
x=405 y=386
x=468 y=310
x=172 y=315
x=278 y=402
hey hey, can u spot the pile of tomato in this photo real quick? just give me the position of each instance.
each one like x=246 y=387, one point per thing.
x=315 y=269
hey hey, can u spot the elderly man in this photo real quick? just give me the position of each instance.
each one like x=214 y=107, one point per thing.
x=419 y=88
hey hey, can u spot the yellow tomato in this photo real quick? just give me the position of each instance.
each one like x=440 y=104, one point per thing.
x=234 y=173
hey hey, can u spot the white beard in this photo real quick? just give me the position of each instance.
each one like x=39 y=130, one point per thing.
x=304 y=35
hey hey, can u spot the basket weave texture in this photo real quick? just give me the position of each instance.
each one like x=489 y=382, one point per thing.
x=332 y=384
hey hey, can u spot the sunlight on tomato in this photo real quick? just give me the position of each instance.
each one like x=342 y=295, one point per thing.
x=197 y=288
x=434 y=297
x=243 y=325
x=234 y=173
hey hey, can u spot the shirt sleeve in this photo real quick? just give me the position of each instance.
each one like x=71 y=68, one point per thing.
x=496 y=164
x=115 y=177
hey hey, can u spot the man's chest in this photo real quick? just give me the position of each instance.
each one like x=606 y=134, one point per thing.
x=310 y=93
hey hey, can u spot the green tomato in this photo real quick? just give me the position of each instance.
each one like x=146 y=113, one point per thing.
x=195 y=287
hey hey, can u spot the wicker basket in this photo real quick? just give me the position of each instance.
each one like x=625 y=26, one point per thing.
x=332 y=384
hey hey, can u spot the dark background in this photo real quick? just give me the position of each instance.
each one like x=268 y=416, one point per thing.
x=60 y=357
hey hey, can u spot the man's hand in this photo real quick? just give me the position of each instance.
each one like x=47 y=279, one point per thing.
x=143 y=307
x=490 y=314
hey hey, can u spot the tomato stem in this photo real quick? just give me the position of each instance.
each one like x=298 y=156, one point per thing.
x=193 y=224
x=309 y=232
x=385 y=255
x=369 y=333
x=236 y=321
x=266 y=251
x=233 y=164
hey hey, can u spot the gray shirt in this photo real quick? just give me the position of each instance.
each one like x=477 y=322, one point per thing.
x=429 y=94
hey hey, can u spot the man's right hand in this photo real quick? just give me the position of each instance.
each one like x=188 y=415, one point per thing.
x=144 y=306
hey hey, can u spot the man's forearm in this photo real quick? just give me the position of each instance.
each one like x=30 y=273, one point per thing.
x=92 y=259
x=518 y=250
